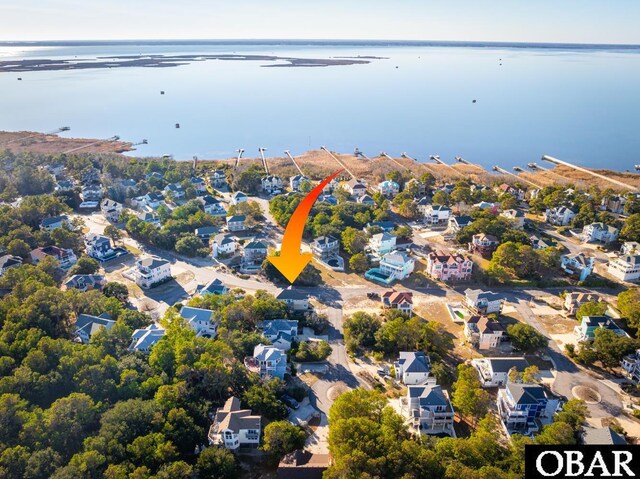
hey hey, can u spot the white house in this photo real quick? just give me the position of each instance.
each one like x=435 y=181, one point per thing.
x=494 y=372
x=50 y=224
x=428 y=409
x=152 y=200
x=366 y=200
x=238 y=197
x=483 y=332
x=599 y=232
x=149 y=217
x=8 y=261
x=631 y=365
x=389 y=188
x=98 y=246
x=356 y=188
x=217 y=178
x=280 y=332
x=233 y=427
x=397 y=265
x=200 y=320
x=325 y=247
x=400 y=300
x=111 y=209
x=87 y=325
x=456 y=223
x=144 y=339
x=422 y=204
x=412 y=367
x=483 y=302
x=630 y=247
x=223 y=244
x=271 y=184
x=175 y=191
x=560 y=216
x=516 y=217
x=573 y=301
x=236 y=222
x=151 y=271
x=382 y=243
x=437 y=214
x=625 y=268
x=295 y=300
x=212 y=206
x=65 y=257
x=577 y=265
x=296 y=181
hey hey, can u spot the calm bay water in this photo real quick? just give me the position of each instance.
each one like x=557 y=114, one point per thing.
x=579 y=105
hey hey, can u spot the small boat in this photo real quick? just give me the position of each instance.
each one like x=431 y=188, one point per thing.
x=19 y=78
x=474 y=101
x=177 y=125
x=637 y=167
x=162 y=92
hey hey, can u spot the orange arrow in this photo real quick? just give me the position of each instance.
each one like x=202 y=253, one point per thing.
x=291 y=262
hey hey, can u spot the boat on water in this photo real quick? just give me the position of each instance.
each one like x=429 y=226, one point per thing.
x=637 y=167
x=177 y=125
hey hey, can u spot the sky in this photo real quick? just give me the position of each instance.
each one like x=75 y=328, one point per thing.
x=571 y=21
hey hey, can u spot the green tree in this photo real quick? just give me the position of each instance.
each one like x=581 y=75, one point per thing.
x=441 y=197
x=360 y=330
x=353 y=240
x=18 y=247
x=359 y=263
x=281 y=438
x=526 y=338
x=85 y=265
x=631 y=229
x=116 y=290
x=216 y=463
x=468 y=396
x=591 y=309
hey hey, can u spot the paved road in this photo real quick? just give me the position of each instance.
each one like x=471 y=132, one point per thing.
x=568 y=374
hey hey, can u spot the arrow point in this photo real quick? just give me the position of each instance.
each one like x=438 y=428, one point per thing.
x=291 y=267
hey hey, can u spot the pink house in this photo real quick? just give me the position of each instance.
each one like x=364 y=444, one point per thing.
x=446 y=267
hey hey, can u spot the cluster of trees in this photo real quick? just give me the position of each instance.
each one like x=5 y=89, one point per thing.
x=608 y=348
x=526 y=338
x=311 y=351
x=71 y=410
x=629 y=306
x=512 y=259
x=249 y=180
x=367 y=438
x=177 y=228
x=251 y=210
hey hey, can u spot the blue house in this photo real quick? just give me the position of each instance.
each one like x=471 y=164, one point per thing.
x=268 y=361
x=524 y=408
x=587 y=329
x=280 y=332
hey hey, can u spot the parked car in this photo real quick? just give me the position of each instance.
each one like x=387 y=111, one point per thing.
x=289 y=401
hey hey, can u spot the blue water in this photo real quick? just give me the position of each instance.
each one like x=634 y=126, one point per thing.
x=580 y=105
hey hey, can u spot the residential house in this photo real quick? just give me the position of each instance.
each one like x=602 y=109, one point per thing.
x=447 y=267
x=590 y=324
x=456 y=223
x=212 y=206
x=91 y=193
x=630 y=247
x=268 y=361
x=151 y=271
x=428 y=409
x=537 y=243
x=98 y=247
x=494 y=372
x=296 y=181
x=484 y=332
x=215 y=286
x=397 y=265
x=366 y=200
x=148 y=217
x=296 y=300
x=271 y=184
x=233 y=428
x=422 y=204
x=198 y=184
x=387 y=226
x=615 y=204
x=483 y=302
x=437 y=214
x=66 y=258
x=573 y=301
x=64 y=185
x=111 y=209
x=236 y=222
x=625 y=268
x=127 y=185
x=523 y=407
x=389 y=188
x=329 y=199
x=330 y=187
x=631 y=365
x=175 y=191
x=412 y=368
x=517 y=193
x=302 y=464
x=152 y=200
x=206 y=232
x=87 y=325
x=577 y=265
x=223 y=245
x=50 y=224
x=602 y=436
x=56 y=169
x=483 y=244
x=200 y=320
x=8 y=261
x=144 y=339
x=515 y=217
x=485 y=205
x=356 y=188
x=400 y=300
x=382 y=243
x=154 y=175
x=255 y=252
x=325 y=247
x=281 y=333
x=420 y=186
x=599 y=232
x=85 y=282
x=217 y=178
x=560 y=216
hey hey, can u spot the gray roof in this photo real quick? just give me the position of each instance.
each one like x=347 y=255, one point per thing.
x=90 y=324
x=526 y=394
x=476 y=294
x=7 y=261
x=274 y=326
x=236 y=218
x=504 y=365
x=264 y=352
x=214 y=287
x=291 y=294
x=199 y=314
x=152 y=262
x=414 y=362
x=429 y=395
x=54 y=219
x=602 y=435
x=256 y=244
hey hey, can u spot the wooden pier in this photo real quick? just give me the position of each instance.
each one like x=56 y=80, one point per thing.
x=556 y=161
